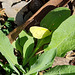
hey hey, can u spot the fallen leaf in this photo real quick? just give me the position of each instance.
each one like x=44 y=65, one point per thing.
x=2 y=13
x=10 y=2
x=15 y=8
x=70 y=55
x=60 y=61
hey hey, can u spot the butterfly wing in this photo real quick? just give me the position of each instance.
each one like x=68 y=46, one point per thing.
x=39 y=32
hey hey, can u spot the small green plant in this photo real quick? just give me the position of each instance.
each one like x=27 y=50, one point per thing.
x=60 y=40
x=7 y=26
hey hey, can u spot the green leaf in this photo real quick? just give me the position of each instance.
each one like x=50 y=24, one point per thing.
x=63 y=38
x=39 y=44
x=20 y=68
x=43 y=62
x=62 y=70
x=1 y=26
x=43 y=41
x=16 y=44
x=35 y=73
x=51 y=21
x=7 y=50
x=10 y=19
x=55 y=17
x=28 y=47
x=7 y=68
x=1 y=64
x=23 y=36
x=5 y=31
x=7 y=24
x=33 y=60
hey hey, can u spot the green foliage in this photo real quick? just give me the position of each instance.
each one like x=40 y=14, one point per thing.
x=7 y=68
x=8 y=25
x=43 y=41
x=27 y=48
x=51 y=21
x=16 y=45
x=20 y=42
x=43 y=62
x=4 y=44
x=63 y=38
x=55 y=17
x=25 y=44
x=62 y=70
x=10 y=19
x=23 y=37
x=7 y=50
x=33 y=60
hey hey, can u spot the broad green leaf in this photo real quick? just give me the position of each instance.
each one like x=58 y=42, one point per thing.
x=55 y=17
x=35 y=73
x=51 y=21
x=33 y=60
x=7 y=50
x=27 y=48
x=26 y=43
x=40 y=42
x=62 y=70
x=63 y=38
x=43 y=41
x=23 y=36
x=16 y=44
x=43 y=62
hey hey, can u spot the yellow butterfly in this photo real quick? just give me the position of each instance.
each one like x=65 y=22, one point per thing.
x=39 y=32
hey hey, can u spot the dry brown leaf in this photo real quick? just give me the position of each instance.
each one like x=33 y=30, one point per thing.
x=2 y=13
x=70 y=55
x=10 y=1
x=12 y=11
x=15 y=10
x=60 y=61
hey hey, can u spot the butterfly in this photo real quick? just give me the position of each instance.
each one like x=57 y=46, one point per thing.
x=39 y=32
